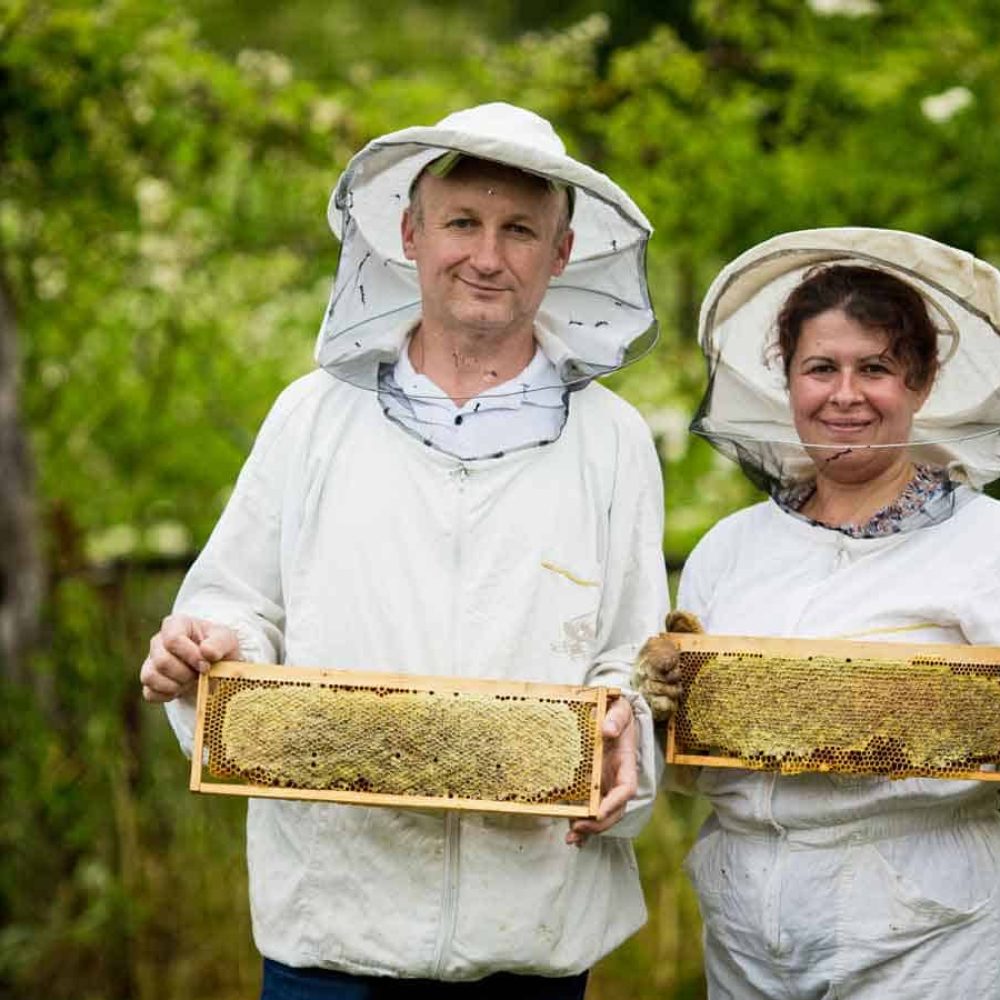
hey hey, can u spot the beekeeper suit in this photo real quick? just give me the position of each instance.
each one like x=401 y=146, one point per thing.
x=516 y=534
x=818 y=887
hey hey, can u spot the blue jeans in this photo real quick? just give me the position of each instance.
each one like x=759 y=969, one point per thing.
x=282 y=982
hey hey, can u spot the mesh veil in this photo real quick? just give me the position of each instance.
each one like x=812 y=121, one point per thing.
x=745 y=412
x=596 y=316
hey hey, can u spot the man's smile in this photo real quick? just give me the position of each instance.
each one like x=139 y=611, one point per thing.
x=481 y=286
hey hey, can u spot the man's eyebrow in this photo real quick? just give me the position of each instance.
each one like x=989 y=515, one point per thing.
x=519 y=215
x=459 y=210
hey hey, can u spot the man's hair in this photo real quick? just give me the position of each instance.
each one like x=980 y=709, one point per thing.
x=454 y=160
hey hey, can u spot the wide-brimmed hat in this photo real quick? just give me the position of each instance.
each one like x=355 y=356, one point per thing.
x=595 y=317
x=746 y=413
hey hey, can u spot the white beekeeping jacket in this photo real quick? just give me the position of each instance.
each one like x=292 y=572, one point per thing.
x=349 y=543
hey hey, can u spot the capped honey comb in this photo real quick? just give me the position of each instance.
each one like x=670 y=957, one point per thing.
x=390 y=739
x=874 y=708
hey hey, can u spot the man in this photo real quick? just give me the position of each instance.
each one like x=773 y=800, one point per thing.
x=449 y=494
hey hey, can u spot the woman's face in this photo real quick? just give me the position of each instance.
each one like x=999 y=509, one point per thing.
x=845 y=389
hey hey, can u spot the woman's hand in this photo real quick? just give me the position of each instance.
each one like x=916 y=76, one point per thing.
x=657 y=672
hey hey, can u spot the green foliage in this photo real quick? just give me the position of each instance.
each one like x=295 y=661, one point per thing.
x=161 y=229
x=112 y=884
x=164 y=172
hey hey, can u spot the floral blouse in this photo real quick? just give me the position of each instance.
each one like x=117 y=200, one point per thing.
x=926 y=499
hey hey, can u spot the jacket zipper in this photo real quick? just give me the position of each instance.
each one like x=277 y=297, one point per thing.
x=452 y=824
x=449 y=890
x=774 y=883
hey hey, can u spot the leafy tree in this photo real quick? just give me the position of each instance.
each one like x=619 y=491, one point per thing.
x=160 y=237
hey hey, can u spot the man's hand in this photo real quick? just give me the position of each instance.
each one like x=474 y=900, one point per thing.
x=619 y=773
x=183 y=648
x=657 y=673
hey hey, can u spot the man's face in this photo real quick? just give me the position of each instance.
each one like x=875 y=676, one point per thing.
x=486 y=239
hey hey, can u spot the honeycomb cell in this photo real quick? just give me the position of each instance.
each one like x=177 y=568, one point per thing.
x=860 y=715
x=400 y=741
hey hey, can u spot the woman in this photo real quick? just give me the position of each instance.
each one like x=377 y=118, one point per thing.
x=854 y=373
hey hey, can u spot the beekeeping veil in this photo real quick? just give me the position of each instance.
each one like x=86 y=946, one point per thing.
x=746 y=414
x=596 y=316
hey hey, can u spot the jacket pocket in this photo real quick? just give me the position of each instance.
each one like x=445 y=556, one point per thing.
x=941 y=877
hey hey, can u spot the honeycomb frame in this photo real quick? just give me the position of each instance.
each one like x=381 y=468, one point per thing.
x=896 y=710
x=234 y=744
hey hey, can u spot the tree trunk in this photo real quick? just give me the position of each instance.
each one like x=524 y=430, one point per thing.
x=20 y=563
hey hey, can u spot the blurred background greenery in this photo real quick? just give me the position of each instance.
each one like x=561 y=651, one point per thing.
x=164 y=263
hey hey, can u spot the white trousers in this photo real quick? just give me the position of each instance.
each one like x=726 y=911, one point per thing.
x=901 y=907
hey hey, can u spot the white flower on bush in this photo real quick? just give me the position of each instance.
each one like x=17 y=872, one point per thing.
x=326 y=113
x=267 y=66
x=846 y=8
x=941 y=107
x=155 y=199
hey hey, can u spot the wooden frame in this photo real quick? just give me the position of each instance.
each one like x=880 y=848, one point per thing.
x=926 y=654
x=597 y=697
